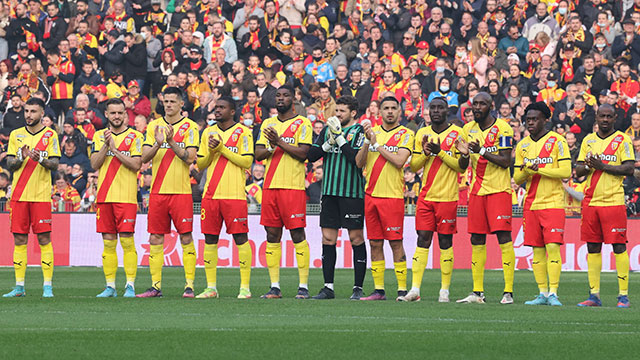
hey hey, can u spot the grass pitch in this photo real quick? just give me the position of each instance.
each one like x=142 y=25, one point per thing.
x=76 y=325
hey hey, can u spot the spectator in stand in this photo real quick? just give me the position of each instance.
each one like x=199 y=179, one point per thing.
x=87 y=78
x=136 y=103
x=60 y=77
x=53 y=28
x=5 y=187
x=14 y=117
x=64 y=196
x=77 y=178
x=72 y=155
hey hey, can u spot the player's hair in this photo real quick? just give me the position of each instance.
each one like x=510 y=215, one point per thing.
x=389 y=98
x=229 y=100
x=539 y=106
x=289 y=88
x=441 y=98
x=114 y=101
x=350 y=101
x=35 y=101
x=173 y=90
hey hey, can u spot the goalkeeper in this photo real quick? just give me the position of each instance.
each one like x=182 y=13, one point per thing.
x=342 y=193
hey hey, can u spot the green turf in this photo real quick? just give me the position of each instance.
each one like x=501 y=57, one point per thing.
x=75 y=325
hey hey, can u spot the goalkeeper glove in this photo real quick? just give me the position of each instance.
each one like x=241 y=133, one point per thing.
x=334 y=125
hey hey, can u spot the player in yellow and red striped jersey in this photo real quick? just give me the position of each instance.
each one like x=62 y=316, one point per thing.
x=490 y=141
x=226 y=150
x=390 y=145
x=32 y=154
x=117 y=154
x=436 y=151
x=283 y=144
x=606 y=157
x=172 y=143
x=543 y=160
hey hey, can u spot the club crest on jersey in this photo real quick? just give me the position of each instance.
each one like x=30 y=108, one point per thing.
x=492 y=134
x=234 y=137
x=349 y=136
x=450 y=138
x=549 y=144
x=616 y=142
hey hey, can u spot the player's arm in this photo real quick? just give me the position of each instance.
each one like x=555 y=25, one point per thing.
x=297 y=152
x=244 y=157
x=581 y=166
x=133 y=163
x=361 y=156
x=399 y=159
x=502 y=158
x=419 y=157
x=149 y=151
x=624 y=169
x=99 y=156
x=349 y=151
x=563 y=170
x=51 y=163
x=152 y=142
x=188 y=154
x=13 y=163
x=520 y=174
x=319 y=147
x=15 y=154
x=262 y=152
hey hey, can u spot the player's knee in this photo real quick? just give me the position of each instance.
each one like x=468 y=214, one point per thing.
x=503 y=237
x=186 y=238
x=298 y=235
x=20 y=239
x=619 y=248
x=376 y=244
x=156 y=239
x=328 y=241
x=356 y=237
x=478 y=239
x=424 y=239
x=445 y=241
x=273 y=234
x=44 y=238
x=210 y=239
x=594 y=248
x=240 y=239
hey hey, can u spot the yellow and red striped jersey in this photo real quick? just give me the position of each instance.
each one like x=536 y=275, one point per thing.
x=549 y=152
x=225 y=180
x=62 y=84
x=32 y=181
x=283 y=171
x=116 y=182
x=440 y=178
x=170 y=174
x=384 y=180
x=602 y=188
x=489 y=178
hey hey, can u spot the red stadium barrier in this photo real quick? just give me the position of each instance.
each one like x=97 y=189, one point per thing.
x=76 y=243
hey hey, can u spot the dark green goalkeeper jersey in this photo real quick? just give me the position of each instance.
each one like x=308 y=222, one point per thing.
x=341 y=176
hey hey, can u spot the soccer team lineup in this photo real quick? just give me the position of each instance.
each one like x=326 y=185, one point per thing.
x=362 y=189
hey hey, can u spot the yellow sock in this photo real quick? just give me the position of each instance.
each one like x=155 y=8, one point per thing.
x=508 y=265
x=622 y=267
x=478 y=259
x=210 y=258
x=156 y=260
x=20 y=263
x=245 y=256
x=400 y=268
x=554 y=266
x=595 y=266
x=446 y=267
x=419 y=263
x=129 y=258
x=46 y=261
x=273 y=253
x=539 y=266
x=377 y=272
x=189 y=263
x=303 y=258
x=110 y=261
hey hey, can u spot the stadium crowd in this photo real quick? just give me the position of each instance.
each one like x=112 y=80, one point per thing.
x=572 y=54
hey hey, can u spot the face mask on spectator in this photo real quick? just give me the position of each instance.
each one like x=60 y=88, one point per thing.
x=551 y=83
x=600 y=46
x=602 y=24
x=440 y=69
x=444 y=88
x=311 y=118
x=461 y=54
x=144 y=35
x=210 y=122
x=236 y=98
x=286 y=42
x=249 y=122
x=317 y=58
x=562 y=11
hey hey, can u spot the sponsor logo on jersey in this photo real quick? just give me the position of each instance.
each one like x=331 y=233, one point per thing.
x=609 y=158
x=539 y=160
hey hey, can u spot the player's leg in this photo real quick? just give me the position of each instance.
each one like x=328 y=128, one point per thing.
x=46 y=262
x=40 y=214
x=130 y=262
x=478 y=227
x=539 y=266
x=273 y=253
x=303 y=256
x=181 y=213
x=591 y=232
x=19 y=263
x=329 y=254
x=419 y=263
x=375 y=233
x=446 y=265
x=622 y=268
x=245 y=256
x=109 y=264
x=329 y=224
x=210 y=224
x=126 y=226
x=356 y=236
x=508 y=264
x=553 y=221
x=393 y=225
x=158 y=224
x=399 y=266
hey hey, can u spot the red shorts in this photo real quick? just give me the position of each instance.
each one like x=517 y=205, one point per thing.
x=34 y=215
x=115 y=218
x=489 y=213
x=233 y=212
x=606 y=224
x=437 y=216
x=163 y=208
x=284 y=207
x=543 y=227
x=384 y=218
